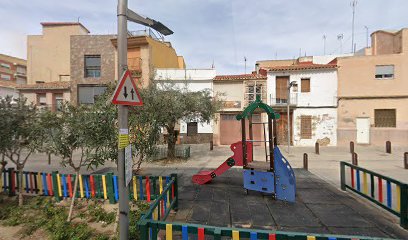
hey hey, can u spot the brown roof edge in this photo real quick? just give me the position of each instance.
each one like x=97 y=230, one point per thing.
x=239 y=77
x=52 y=24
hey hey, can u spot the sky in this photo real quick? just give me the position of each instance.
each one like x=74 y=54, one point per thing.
x=223 y=32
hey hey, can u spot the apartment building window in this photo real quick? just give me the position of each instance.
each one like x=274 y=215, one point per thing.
x=93 y=66
x=5 y=65
x=192 y=128
x=5 y=77
x=384 y=71
x=305 y=127
x=89 y=94
x=41 y=99
x=385 y=117
x=305 y=85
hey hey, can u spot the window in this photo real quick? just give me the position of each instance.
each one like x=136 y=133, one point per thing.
x=58 y=102
x=88 y=94
x=385 y=117
x=384 y=71
x=305 y=85
x=41 y=99
x=5 y=65
x=93 y=66
x=254 y=90
x=306 y=127
x=21 y=70
x=192 y=128
x=5 y=77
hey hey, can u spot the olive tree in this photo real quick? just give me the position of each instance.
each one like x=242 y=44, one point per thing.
x=174 y=104
x=84 y=136
x=21 y=134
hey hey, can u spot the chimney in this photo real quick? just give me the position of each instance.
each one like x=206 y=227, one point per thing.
x=257 y=68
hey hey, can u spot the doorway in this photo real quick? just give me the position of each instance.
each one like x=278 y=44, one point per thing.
x=363 y=130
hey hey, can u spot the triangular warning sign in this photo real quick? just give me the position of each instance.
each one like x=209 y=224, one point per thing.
x=126 y=92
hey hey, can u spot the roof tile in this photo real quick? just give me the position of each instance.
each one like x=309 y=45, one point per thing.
x=240 y=77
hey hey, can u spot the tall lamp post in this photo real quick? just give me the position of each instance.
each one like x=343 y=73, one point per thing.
x=288 y=113
x=124 y=15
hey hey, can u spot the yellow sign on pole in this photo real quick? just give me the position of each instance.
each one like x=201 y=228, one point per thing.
x=123 y=138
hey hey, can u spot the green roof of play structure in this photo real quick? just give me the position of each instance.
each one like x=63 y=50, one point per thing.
x=258 y=104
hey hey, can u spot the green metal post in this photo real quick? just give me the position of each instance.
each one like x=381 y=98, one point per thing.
x=343 y=176
x=55 y=186
x=217 y=234
x=404 y=206
x=109 y=185
x=154 y=186
x=144 y=230
x=173 y=175
x=154 y=231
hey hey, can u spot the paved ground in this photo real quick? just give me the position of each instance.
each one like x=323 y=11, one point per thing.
x=320 y=208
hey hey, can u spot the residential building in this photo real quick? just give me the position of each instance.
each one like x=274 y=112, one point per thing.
x=13 y=69
x=191 y=131
x=49 y=95
x=238 y=91
x=8 y=88
x=147 y=52
x=373 y=92
x=48 y=54
x=311 y=98
x=93 y=66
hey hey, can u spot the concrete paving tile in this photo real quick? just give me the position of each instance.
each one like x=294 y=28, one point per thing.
x=292 y=215
x=200 y=212
x=204 y=194
x=220 y=215
x=240 y=213
x=220 y=195
x=338 y=215
x=260 y=214
x=316 y=196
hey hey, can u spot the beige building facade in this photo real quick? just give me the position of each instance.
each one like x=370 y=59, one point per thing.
x=373 y=92
x=237 y=92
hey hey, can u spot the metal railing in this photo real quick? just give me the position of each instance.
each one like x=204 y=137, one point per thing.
x=283 y=101
x=181 y=151
x=388 y=193
x=146 y=32
x=185 y=230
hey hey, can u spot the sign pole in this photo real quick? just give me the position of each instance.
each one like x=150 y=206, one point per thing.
x=123 y=122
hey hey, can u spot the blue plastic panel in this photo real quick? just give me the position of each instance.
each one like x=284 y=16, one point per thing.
x=259 y=181
x=285 y=178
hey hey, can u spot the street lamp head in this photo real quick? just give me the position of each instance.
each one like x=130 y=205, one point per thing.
x=292 y=83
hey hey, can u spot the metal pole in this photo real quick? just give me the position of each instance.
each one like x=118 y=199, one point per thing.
x=123 y=121
x=288 y=101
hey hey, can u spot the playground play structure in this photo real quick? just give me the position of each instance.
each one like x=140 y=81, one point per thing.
x=275 y=175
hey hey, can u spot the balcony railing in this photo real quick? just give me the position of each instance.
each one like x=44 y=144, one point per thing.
x=283 y=100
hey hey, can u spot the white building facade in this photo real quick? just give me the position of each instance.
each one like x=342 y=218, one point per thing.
x=192 y=80
x=313 y=101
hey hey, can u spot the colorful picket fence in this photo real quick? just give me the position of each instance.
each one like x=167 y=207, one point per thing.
x=150 y=229
x=386 y=192
x=98 y=186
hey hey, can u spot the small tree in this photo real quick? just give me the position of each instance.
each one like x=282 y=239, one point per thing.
x=21 y=134
x=89 y=130
x=174 y=104
x=144 y=128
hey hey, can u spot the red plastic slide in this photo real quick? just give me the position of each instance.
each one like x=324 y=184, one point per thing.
x=236 y=160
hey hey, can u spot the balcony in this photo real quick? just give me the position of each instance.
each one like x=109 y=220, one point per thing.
x=135 y=66
x=283 y=100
